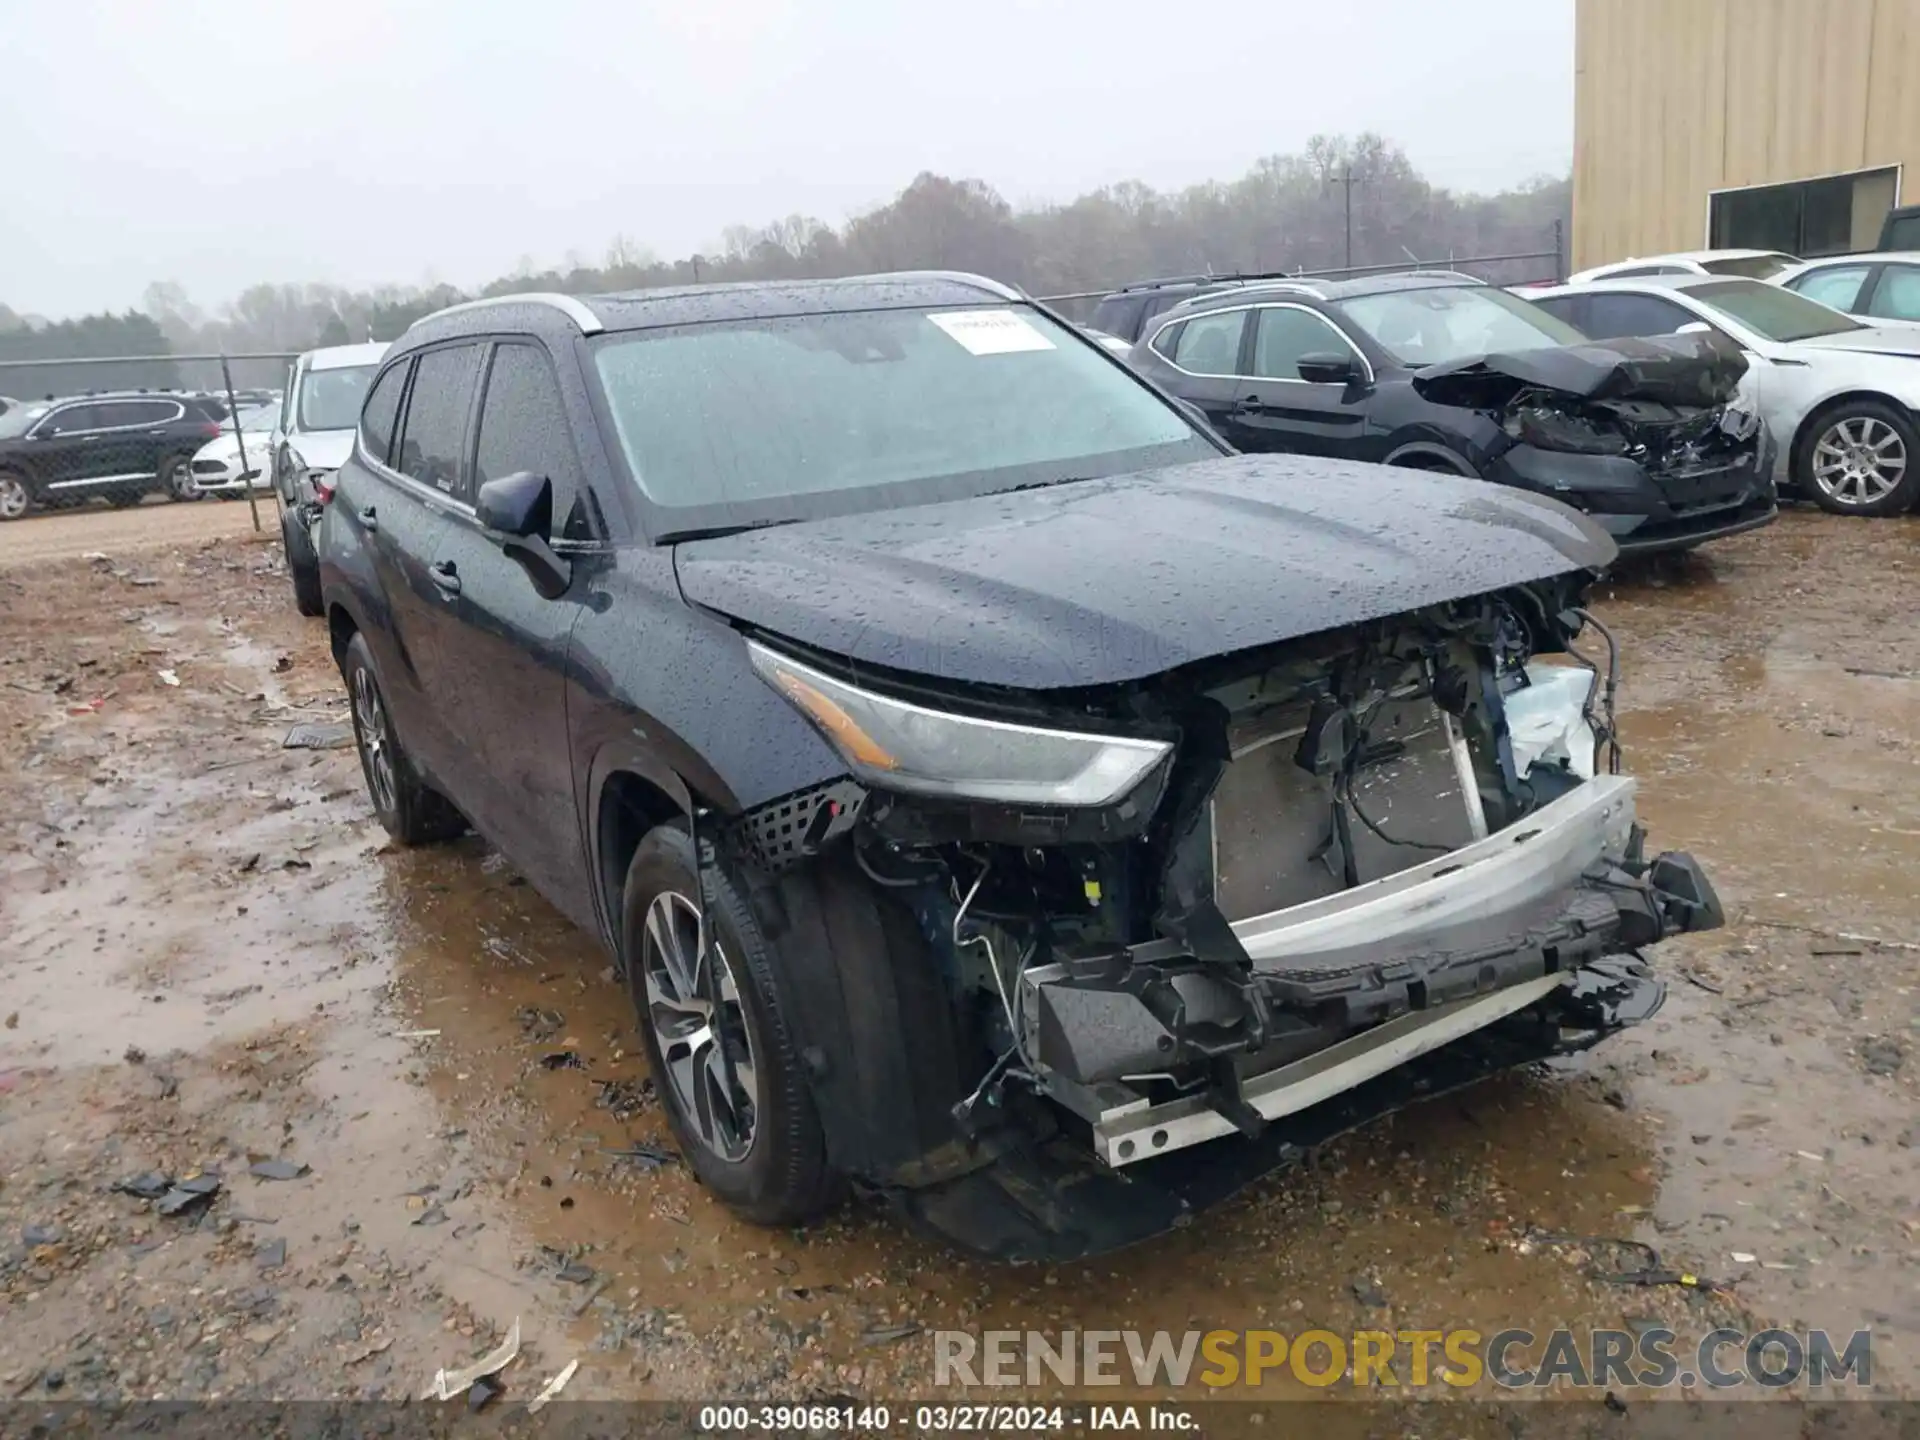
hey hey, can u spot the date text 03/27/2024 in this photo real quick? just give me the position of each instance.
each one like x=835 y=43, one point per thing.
x=939 y=1419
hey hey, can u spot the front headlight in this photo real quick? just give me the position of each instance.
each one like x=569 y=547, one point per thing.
x=894 y=745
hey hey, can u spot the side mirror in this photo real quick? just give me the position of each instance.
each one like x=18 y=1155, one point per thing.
x=518 y=505
x=1694 y=327
x=518 y=508
x=1329 y=369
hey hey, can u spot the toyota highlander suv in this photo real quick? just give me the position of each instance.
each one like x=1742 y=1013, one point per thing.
x=992 y=790
x=318 y=412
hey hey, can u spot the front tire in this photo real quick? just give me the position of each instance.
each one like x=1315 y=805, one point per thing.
x=1862 y=458
x=413 y=812
x=15 y=498
x=724 y=1057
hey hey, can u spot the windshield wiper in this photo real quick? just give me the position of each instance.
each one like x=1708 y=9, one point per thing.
x=716 y=532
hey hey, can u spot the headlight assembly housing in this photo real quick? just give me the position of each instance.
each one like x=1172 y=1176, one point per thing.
x=896 y=745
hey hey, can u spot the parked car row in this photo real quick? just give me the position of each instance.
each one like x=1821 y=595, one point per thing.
x=994 y=789
x=122 y=446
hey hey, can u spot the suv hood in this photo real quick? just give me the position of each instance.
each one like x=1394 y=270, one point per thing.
x=1697 y=369
x=1101 y=581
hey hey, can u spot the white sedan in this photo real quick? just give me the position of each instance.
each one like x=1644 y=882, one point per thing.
x=217 y=467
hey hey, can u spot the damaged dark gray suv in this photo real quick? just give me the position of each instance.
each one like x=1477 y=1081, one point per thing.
x=996 y=794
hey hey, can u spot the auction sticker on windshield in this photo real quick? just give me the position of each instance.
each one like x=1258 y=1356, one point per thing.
x=991 y=332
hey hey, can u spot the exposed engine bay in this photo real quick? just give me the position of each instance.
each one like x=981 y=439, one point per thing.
x=1355 y=848
x=1670 y=403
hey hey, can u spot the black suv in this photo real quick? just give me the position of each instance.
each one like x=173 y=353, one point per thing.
x=119 y=446
x=987 y=785
x=1442 y=372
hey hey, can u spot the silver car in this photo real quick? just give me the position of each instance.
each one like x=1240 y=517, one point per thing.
x=318 y=415
x=1838 y=396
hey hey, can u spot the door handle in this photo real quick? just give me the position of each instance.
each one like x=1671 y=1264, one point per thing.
x=446 y=577
x=370 y=518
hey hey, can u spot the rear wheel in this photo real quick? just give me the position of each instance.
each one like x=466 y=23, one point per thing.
x=14 y=499
x=412 y=810
x=1861 y=459
x=723 y=1055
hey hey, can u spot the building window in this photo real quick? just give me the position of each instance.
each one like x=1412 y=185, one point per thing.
x=1831 y=215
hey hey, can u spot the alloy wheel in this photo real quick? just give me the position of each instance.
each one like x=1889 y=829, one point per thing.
x=178 y=479
x=376 y=742
x=705 y=1047
x=1859 y=460
x=13 y=497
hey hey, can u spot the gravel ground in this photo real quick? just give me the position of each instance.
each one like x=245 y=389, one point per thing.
x=212 y=965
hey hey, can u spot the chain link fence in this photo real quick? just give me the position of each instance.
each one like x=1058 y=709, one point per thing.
x=115 y=430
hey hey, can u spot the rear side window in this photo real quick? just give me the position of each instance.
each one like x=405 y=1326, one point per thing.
x=435 y=433
x=523 y=426
x=1210 y=344
x=131 y=414
x=1896 y=296
x=382 y=411
x=1837 y=285
x=1571 y=309
x=1611 y=316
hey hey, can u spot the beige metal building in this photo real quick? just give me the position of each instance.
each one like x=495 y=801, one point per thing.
x=1776 y=124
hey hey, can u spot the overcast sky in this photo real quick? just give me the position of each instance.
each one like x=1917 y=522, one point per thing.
x=221 y=143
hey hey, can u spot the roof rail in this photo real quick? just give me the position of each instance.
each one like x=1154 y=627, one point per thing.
x=1231 y=277
x=587 y=322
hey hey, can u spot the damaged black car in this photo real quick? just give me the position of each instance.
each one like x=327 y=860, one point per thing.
x=1656 y=440
x=996 y=795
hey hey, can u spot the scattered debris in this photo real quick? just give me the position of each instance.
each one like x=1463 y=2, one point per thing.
x=312 y=735
x=552 y=1388
x=1883 y=1055
x=168 y=677
x=368 y=1351
x=148 y=1185
x=1369 y=1294
x=482 y=1393
x=134 y=1055
x=432 y=1215
x=1741 y=1257
x=449 y=1383
x=34 y=1236
x=277 y=1169
x=644 y=1154
x=415 y=1034
x=189 y=1195
x=538 y=1024
x=625 y=1098
x=889 y=1334
x=271 y=1255
x=563 y=1060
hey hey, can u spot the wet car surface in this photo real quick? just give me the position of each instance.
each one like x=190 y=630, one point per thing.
x=211 y=956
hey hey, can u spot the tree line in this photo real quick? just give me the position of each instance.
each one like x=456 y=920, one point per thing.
x=1341 y=201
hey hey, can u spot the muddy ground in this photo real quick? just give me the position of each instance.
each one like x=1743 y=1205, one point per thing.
x=210 y=957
